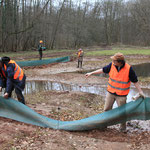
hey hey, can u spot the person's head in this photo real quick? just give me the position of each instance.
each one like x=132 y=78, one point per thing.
x=40 y=41
x=4 y=60
x=80 y=49
x=118 y=59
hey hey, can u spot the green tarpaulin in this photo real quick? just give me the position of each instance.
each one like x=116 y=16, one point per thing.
x=43 y=62
x=139 y=110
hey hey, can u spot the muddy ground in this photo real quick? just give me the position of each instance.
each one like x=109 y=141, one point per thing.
x=65 y=105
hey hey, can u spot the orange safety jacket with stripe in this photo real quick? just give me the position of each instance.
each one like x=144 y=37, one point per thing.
x=119 y=82
x=79 y=53
x=18 y=72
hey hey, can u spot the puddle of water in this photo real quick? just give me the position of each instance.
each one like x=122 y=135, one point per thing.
x=142 y=69
x=37 y=86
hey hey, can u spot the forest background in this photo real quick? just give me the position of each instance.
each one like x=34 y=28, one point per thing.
x=72 y=24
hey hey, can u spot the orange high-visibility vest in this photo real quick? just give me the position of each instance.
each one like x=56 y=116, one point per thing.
x=79 y=53
x=119 y=82
x=18 y=72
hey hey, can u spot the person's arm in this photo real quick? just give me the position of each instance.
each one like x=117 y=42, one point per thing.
x=1 y=82
x=39 y=47
x=133 y=78
x=82 y=53
x=99 y=71
x=139 y=89
x=9 y=84
x=105 y=69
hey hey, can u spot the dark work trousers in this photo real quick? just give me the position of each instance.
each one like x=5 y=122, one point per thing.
x=41 y=54
x=20 y=96
x=18 y=90
x=9 y=95
x=79 y=64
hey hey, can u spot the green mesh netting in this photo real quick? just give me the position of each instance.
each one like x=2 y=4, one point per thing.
x=43 y=62
x=139 y=109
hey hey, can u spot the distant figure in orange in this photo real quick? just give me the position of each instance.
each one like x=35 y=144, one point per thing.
x=40 y=49
x=80 y=54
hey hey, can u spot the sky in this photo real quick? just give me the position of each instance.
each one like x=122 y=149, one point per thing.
x=56 y=2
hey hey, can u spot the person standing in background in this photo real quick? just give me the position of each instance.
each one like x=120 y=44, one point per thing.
x=80 y=54
x=40 y=49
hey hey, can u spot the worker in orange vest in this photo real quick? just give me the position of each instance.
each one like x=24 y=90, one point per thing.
x=40 y=49
x=121 y=75
x=11 y=77
x=80 y=54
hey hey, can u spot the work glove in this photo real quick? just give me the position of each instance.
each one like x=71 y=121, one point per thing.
x=138 y=95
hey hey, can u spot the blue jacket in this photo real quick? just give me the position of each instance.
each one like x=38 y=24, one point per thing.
x=8 y=80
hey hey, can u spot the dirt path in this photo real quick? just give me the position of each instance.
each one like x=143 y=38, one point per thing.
x=73 y=106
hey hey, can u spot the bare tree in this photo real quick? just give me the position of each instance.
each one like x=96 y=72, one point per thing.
x=71 y=24
x=55 y=27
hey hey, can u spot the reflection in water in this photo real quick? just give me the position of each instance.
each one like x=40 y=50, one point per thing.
x=38 y=86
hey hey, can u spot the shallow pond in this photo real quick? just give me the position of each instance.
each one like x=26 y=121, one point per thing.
x=37 y=86
x=142 y=69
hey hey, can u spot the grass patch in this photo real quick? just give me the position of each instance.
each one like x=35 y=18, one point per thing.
x=125 y=51
x=34 y=52
x=96 y=51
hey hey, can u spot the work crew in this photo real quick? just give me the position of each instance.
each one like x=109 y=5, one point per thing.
x=12 y=77
x=40 y=49
x=80 y=54
x=121 y=75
